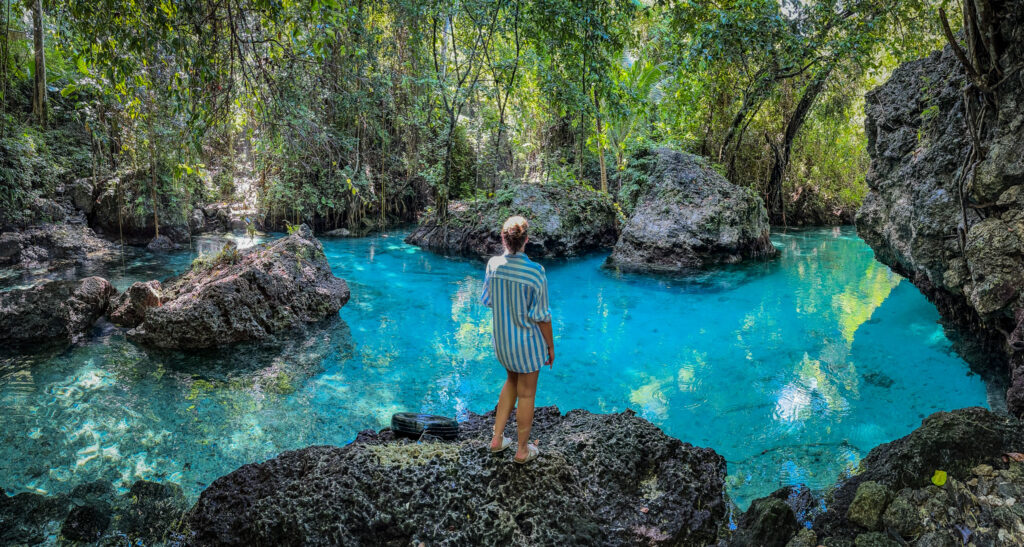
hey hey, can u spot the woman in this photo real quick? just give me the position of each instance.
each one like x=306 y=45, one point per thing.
x=516 y=290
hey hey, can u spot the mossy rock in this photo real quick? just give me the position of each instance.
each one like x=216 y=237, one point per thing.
x=868 y=505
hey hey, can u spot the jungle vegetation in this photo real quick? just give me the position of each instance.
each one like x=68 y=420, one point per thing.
x=358 y=113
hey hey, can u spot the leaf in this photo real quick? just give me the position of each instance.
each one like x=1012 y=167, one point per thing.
x=939 y=478
x=82 y=67
x=1013 y=457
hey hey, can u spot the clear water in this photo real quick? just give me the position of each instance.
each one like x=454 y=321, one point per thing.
x=791 y=369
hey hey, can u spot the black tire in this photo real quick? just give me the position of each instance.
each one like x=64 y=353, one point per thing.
x=413 y=426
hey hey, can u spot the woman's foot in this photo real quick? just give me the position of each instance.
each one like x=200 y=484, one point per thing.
x=499 y=444
x=524 y=456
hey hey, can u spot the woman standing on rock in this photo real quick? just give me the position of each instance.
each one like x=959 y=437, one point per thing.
x=516 y=290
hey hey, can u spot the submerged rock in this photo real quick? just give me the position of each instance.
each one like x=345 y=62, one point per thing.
x=564 y=221
x=251 y=295
x=600 y=479
x=687 y=216
x=86 y=522
x=950 y=221
x=52 y=311
x=28 y=518
x=148 y=514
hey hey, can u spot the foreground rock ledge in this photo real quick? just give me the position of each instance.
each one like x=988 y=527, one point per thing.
x=601 y=479
x=891 y=501
x=564 y=221
x=687 y=216
x=241 y=296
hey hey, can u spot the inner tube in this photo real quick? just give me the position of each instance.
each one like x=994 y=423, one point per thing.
x=414 y=426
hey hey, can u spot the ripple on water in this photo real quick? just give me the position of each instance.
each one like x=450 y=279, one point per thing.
x=792 y=369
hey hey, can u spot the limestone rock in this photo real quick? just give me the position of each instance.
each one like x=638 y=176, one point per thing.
x=161 y=244
x=83 y=195
x=86 y=523
x=688 y=217
x=868 y=505
x=959 y=238
x=564 y=221
x=600 y=479
x=902 y=517
x=875 y=539
x=52 y=311
x=339 y=232
x=129 y=308
x=251 y=295
x=769 y=522
x=55 y=247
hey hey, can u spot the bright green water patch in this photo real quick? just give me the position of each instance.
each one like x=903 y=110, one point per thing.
x=791 y=369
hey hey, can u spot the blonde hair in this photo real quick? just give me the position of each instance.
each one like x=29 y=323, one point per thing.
x=513 y=233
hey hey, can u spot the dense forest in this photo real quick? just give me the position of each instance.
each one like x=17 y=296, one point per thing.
x=362 y=113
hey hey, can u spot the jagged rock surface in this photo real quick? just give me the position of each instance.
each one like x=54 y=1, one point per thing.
x=252 y=295
x=687 y=216
x=129 y=308
x=601 y=479
x=52 y=311
x=893 y=492
x=958 y=237
x=54 y=247
x=564 y=221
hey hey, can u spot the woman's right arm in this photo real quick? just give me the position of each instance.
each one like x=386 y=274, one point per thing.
x=549 y=339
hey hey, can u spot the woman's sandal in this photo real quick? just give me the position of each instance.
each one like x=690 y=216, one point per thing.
x=531 y=454
x=505 y=443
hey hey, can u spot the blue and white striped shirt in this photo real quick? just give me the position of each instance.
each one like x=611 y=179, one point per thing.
x=516 y=290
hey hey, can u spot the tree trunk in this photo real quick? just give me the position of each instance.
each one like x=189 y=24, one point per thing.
x=39 y=92
x=600 y=143
x=774 y=201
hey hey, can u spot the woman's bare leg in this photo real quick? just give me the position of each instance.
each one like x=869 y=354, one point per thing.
x=506 y=402
x=527 y=389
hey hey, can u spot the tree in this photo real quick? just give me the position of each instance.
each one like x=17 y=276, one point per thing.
x=39 y=70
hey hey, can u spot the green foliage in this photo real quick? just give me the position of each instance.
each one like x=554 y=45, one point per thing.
x=227 y=256
x=358 y=114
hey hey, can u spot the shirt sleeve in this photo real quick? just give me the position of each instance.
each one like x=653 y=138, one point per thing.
x=485 y=297
x=539 y=310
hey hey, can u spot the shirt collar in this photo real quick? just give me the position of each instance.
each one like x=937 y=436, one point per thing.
x=520 y=254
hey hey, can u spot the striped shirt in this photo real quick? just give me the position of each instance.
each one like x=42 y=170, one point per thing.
x=516 y=290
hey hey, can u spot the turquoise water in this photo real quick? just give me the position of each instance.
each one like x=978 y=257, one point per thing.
x=791 y=369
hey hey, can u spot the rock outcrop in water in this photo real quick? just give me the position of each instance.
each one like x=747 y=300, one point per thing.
x=54 y=247
x=239 y=296
x=687 y=216
x=952 y=224
x=52 y=311
x=564 y=221
x=612 y=479
x=129 y=308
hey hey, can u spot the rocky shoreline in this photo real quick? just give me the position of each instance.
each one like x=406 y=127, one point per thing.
x=955 y=228
x=610 y=479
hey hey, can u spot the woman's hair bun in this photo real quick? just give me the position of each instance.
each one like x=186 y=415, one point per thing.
x=513 y=233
